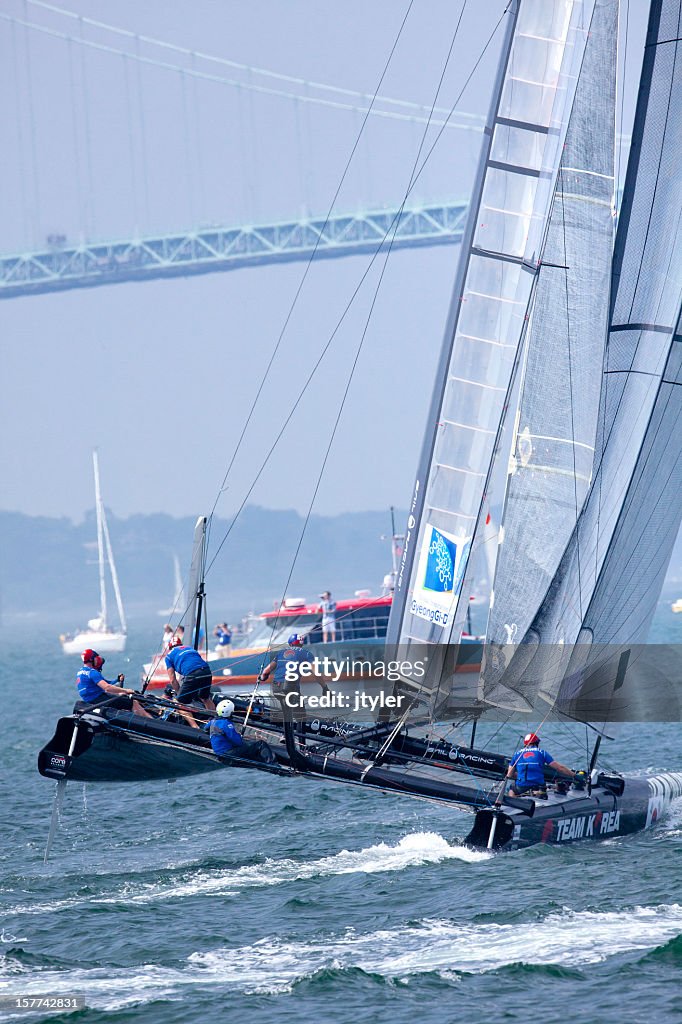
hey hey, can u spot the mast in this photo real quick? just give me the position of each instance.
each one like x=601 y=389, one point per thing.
x=99 y=512
x=501 y=250
x=195 y=585
x=114 y=573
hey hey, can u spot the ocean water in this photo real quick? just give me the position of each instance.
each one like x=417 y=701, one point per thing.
x=241 y=896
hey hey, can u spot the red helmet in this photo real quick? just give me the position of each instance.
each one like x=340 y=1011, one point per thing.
x=92 y=657
x=531 y=740
x=175 y=641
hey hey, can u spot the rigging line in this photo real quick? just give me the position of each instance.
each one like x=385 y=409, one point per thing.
x=570 y=387
x=392 y=115
x=224 y=61
x=373 y=302
x=303 y=279
x=357 y=289
x=352 y=297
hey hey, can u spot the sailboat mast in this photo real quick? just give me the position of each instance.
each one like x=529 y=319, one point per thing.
x=99 y=512
x=114 y=573
x=195 y=590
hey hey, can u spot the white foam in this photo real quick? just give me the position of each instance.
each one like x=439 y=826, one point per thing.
x=444 y=947
x=414 y=849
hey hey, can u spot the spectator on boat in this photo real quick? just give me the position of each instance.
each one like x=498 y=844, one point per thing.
x=223 y=636
x=228 y=743
x=94 y=689
x=168 y=633
x=187 y=663
x=328 y=617
x=527 y=768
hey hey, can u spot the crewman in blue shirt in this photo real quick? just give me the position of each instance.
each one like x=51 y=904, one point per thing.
x=527 y=768
x=196 y=675
x=93 y=688
x=228 y=743
x=284 y=667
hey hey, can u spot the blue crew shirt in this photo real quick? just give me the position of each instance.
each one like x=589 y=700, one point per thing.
x=184 y=660
x=529 y=764
x=289 y=655
x=86 y=681
x=224 y=737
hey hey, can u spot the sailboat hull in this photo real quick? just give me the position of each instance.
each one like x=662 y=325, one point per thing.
x=103 y=643
x=602 y=814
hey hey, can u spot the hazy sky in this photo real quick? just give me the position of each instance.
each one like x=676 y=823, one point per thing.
x=160 y=376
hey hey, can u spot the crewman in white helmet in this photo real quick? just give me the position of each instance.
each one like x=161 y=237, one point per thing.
x=228 y=743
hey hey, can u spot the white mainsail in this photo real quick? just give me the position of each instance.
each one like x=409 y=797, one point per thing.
x=99 y=634
x=501 y=250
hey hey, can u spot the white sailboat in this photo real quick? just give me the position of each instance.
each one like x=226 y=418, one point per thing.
x=99 y=635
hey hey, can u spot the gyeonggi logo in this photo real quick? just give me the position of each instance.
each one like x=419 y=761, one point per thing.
x=440 y=563
x=422 y=611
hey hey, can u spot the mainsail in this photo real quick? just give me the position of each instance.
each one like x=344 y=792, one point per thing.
x=503 y=245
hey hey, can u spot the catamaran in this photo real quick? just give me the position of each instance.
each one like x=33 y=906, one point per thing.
x=99 y=635
x=550 y=441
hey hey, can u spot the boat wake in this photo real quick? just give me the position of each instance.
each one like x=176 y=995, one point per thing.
x=412 y=850
x=436 y=947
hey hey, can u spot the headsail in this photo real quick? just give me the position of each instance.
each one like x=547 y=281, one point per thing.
x=551 y=464
x=503 y=244
x=637 y=450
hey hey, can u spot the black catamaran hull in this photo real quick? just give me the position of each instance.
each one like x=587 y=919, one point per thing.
x=119 y=746
x=124 y=748
x=604 y=813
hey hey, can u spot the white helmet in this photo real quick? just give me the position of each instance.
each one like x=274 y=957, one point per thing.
x=225 y=708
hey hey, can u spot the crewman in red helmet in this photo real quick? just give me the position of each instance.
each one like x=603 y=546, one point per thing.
x=94 y=689
x=527 y=768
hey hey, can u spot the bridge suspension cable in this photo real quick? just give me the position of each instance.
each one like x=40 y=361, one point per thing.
x=354 y=101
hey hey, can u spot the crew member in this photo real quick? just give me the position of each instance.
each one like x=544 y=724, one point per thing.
x=93 y=688
x=196 y=675
x=328 y=617
x=527 y=768
x=228 y=743
x=285 y=666
x=285 y=671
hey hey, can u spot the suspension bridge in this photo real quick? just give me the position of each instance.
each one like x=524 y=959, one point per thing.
x=123 y=158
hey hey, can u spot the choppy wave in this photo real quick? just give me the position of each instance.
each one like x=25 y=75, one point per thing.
x=442 y=948
x=414 y=849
